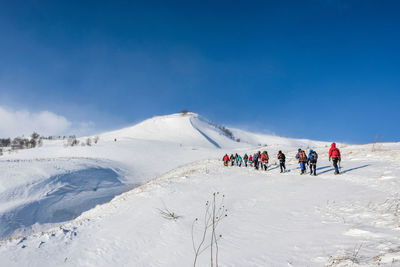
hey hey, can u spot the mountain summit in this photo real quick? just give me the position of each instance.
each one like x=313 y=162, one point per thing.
x=185 y=129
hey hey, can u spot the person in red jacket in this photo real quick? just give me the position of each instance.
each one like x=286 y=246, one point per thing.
x=334 y=154
x=264 y=160
x=226 y=159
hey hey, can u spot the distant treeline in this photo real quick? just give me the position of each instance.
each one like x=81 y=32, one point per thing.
x=36 y=140
x=22 y=142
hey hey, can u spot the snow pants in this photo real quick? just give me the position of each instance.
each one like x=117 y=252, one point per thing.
x=282 y=166
x=264 y=165
x=313 y=168
x=335 y=164
x=302 y=167
x=256 y=163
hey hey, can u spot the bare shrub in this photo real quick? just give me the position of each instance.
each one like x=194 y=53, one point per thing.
x=167 y=214
x=352 y=256
x=215 y=212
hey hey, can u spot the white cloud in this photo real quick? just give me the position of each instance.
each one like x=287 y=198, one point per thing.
x=22 y=122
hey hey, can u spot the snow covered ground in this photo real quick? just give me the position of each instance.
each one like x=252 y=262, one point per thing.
x=102 y=205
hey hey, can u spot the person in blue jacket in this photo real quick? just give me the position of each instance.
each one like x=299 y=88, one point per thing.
x=312 y=162
x=239 y=161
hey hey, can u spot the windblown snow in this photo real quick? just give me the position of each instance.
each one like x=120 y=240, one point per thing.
x=133 y=199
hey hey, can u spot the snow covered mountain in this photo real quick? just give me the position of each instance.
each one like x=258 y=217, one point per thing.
x=192 y=129
x=184 y=129
x=100 y=205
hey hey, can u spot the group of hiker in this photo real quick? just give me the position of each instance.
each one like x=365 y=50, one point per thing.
x=259 y=160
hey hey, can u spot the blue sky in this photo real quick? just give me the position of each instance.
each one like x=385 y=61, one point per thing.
x=318 y=69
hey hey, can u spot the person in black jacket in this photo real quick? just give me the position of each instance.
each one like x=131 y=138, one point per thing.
x=256 y=159
x=246 y=159
x=312 y=162
x=282 y=160
x=232 y=159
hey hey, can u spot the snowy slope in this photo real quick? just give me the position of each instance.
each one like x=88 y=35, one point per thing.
x=100 y=205
x=187 y=130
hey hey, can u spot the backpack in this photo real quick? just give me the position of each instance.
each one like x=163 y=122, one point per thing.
x=302 y=156
x=313 y=156
x=335 y=153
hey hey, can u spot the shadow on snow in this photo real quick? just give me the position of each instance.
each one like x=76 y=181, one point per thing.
x=356 y=168
x=348 y=170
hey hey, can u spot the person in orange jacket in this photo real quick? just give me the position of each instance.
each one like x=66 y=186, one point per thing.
x=302 y=158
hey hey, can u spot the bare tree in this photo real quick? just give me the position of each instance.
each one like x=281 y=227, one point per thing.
x=5 y=142
x=32 y=143
x=35 y=135
x=17 y=143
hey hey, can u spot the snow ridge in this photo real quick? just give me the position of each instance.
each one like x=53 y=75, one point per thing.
x=203 y=134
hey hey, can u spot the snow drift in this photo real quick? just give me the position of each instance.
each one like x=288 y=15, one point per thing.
x=60 y=198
